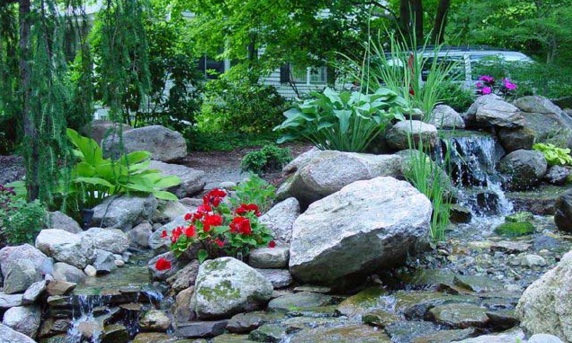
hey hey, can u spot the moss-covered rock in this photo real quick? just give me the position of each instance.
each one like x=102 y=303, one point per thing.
x=519 y=217
x=515 y=229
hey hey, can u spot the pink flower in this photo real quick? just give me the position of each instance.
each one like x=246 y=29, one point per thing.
x=508 y=85
x=487 y=79
x=486 y=90
x=479 y=85
x=219 y=243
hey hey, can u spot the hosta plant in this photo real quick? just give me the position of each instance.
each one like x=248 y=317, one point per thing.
x=553 y=154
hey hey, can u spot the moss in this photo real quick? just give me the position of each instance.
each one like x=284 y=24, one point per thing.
x=515 y=229
x=519 y=217
x=223 y=290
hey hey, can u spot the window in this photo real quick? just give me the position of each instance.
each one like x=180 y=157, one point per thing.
x=211 y=68
x=306 y=75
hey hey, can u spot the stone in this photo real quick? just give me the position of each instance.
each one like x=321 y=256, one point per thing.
x=315 y=175
x=161 y=244
x=192 y=180
x=491 y=110
x=379 y=318
x=444 y=336
x=563 y=212
x=90 y=270
x=119 y=263
x=512 y=335
x=509 y=247
x=8 y=335
x=12 y=168
x=416 y=132
x=544 y=117
x=246 y=322
x=544 y=338
x=524 y=169
x=546 y=305
x=226 y=286
x=33 y=292
x=112 y=240
x=24 y=319
x=502 y=319
x=99 y=129
x=341 y=334
x=182 y=312
x=10 y=300
x=115 y=333
x=164 y=144
x=269 y=258
x=67 y=272
x=123 y=212
x=280 y=218
x=19 y=276
x=268 y=333
x=459 y=214
x=557 y=175
x=280 y=278
x=104 y=262
x=361 y=303
x=66 y=247
x=302 y=300
x=477 y=284
x=155 y=320
x=516 y=139
x=368 y=216
x=59 y=220
x=445 y=117
x=407 y=331
x=459 y=316
x=515 y=229
x=58 y=287
x=151 y=337
x=171 y=210
x=185 y=277
x=157 y=274
x=532 y=260
x=200 y=329
x=42 y=263
x=51 y=327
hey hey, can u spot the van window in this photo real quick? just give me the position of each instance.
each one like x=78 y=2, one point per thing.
x=454 y=63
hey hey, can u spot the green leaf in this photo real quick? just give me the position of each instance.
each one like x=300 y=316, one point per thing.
x=168 y=181
x=344 y=119
x=202 y=255
x=164 y=195
x=93 y=181
x=137 y=156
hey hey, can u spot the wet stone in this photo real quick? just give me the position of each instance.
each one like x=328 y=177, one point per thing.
x=150 y=337
x=58 y=287
x=343 y=334
x=313 y=289
x=155 y=320
x=532 y=261
x=231 y=338
x=407 y=331
x=363 y=302
x=509 y=336
x=53 y=326
x=115 y=333
x=444 y=336
x=415 y=304
x=477 y=284
x=380 y=318
x=460 y=214
x=296 y=324
x=246 y=322
x=62 y=338
x=428 y=277
x=503 y=319
x=268 y=333
x=459 y=315
x=510 y=247
x=201 y=329
x=314 y=312
x=299 y=301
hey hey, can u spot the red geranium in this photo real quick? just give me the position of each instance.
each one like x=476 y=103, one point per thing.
x=241 y=225
x=245 y=208
x=272 y=244
x=162 y=264
x=211 y=220
x=191 y=231
x=214 y=197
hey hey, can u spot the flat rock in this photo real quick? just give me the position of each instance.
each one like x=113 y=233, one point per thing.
x=407 y=331
x=200 y=329
x=8 y=335
x=269 y=258
x=342 y=334
x=246 y=322
x=459 y=316
x=280 y=278
x=192 y=180
x=299 y=301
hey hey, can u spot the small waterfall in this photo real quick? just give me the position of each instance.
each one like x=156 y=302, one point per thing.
x=85 y=305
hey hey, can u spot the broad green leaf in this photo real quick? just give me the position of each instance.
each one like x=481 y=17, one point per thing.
x=164 y=195
x=344 y=119
x=167 y=182
x=136 y=157
x=84 y=169
x=93 y=181
x=202 y=255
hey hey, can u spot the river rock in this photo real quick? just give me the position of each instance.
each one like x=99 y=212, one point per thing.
x=200 y=329
x=325 y=172
x=115 y=333
x=226 y=286
x=192 y=180
x=164 y=144
x=444 y=336
x=10 y=300
x=66 y=247
x=361 y=303
x=59 y=287
x=516 y=139
x=123 y=212
x=67 y=272
x=407 y=331
x=139 y=235
x=269 y=258
x=20 y=275
x=341 y=334
x=512 y=335
x=246 y=322
x=546 y=305
x=33 y=292
x=24 y=319
x=268 y=333
x=543 y=117
x=445 y=117
x=492 y=110
x=279 y=278
x=8 y=335
x=280 y=219
x=155 y=320
x=459 y=316
x=10 y=254
x=59 y=220
x=523 y=168
x=112 y=240
x=544 y=338
x=402 y=133
x=104 y=262
x=301 y=300
x=557 y=175
x=383 y=218
x=563 y=212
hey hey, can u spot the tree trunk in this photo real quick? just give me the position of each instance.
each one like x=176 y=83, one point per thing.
x=30 y=130
x=411 y=20
x=418 y=21
x=405 y=17
x=438 y=34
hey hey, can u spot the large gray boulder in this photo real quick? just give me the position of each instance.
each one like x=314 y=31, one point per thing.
x=226 y=286
x=59 y=220
x=164 y=144
x=516 y=139
x=192 y=180
x=67 y=272
x=317 y=174
x=15 y=271
x=8 y=335
x=366 y=226
x=99 y=129
x=492 y=110
x=445 y=117
x=524 y=169
x=66 y=247
x=20 y=275
x=280 y=219
x=113 y=240
x=24 y=319
x=416 y=132
x=563 y=212
x=543 y=117
x=123 y=212
x=546 y=305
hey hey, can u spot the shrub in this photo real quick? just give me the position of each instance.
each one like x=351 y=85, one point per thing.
x=344 y=121
x=553 y=154
x=22 y=221
x=266 y=160
x=459 y=98
x=254 y=190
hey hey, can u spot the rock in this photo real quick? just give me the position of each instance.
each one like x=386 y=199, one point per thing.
x=58 y=287
x=33 y=292
x=164 y=144
x=477 y=284
x=152 y=337
x=491 y=110
x=380 y=318
x=246 y=322
x=444 y=336
x=119 y=263
x=269 y=333
x=67 y=272
x=546 y=305
x=269 y=258
x=10 y=300
x=279 y=278
x=523 y=168
x=139 y=235
x=557 y=175
x=280 y=218
x=341 y=334
x=157 y=274
x=185 y=277
x=361 y=303
x=414 y=131
x=459 y=316
x=115 y=333
x=459 y=214
x=7 y=335
x=161 y=244
x=519 y=217
x=99 y=129
x=563 y=212
x=544 y=338
x=66 y=247
x=512 y=335
x=51 y=327
x=182 y=312
x=407 y=331
x=12 y=168
x=531 y=260
x=543 y=117
x=171 y=210
x=502 y=319
x=104 y=262
x=123 y=212
x=445 y=117
x=59 y=220
x=42 y=263
x=225 y=286
x=90 y=270
x=192 y=180
x=367 y=216
x=155 y=320
x=319 y=174
x=24 y=319
x=515 y=229
x=302 y=300
x=19 y=276
x=516 y=139
x=509 y=247
x=112 y=240
x=200 y=329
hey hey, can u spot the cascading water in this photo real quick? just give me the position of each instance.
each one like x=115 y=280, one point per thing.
x=85 y=305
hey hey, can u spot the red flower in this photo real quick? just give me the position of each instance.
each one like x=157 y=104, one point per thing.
x=162 y=264
x=240 y=225
x=211 y=220
x=176 y=234
x=272 y=244
x=219 y=243
x=214 y=197
x=164 y=234
x=191 y=231
x=245 y=208
x=188 y=216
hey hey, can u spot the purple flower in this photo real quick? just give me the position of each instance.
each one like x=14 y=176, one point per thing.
x=486 y=90
x=479 y=85
x=487 y=79
x=508 y=85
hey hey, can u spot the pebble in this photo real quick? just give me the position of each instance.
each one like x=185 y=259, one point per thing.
x=119 y=263
x=90 y=270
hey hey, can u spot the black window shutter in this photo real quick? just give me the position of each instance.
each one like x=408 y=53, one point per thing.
x=285 y=73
